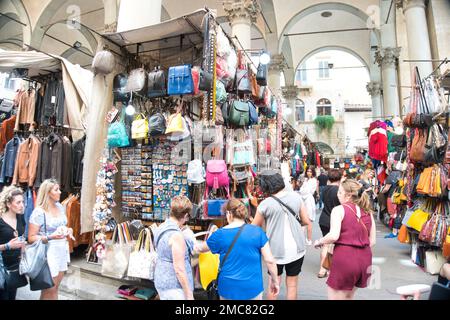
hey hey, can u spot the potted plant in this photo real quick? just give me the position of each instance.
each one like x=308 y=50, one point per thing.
x=324 y=123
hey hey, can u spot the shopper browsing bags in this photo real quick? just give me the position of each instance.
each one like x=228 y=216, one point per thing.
x=12 y=226
x=284 y=215
x=352 y=230
x=48 y=222
x=240 y=272
x=173 y=273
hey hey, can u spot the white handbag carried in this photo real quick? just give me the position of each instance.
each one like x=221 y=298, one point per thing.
x=143 y=258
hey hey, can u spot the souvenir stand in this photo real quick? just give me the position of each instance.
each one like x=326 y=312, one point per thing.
x=42 y=132
x=417 y=168
x=191 y=117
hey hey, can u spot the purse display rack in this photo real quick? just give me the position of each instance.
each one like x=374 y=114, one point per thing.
x=147 y=182
x=131 y=181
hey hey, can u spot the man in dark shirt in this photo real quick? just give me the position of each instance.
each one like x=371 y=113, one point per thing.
x=323 y=180
x=330 y=200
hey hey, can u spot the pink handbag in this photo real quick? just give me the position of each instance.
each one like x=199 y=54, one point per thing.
x=217 y=174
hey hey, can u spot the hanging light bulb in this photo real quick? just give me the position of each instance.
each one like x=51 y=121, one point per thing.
x=264 y=58
x=130 y=110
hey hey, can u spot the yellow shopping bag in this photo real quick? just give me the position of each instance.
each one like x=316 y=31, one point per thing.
x=208 y=267
x=417 y=219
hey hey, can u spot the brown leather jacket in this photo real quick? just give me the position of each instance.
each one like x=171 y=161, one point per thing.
x=26 y=161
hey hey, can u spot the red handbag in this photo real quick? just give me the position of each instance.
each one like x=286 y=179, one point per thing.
x=391 y=207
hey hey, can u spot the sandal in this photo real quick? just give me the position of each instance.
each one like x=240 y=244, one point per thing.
x=322 y=275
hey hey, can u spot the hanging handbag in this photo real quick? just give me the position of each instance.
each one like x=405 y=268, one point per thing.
x=214 y=207
x=184 y=134
x=403 y=235
x=417 y=152
x=157 y=125
x=119 y=87
x=253 y=113
x=103 y=62
x=143 y=258
x=221 y=93
x=243 y=153
x=175 y=123
x=195 y=172
x=205 y=81
x=157 y=84
x=180 y=80
x=213 y=288
x=242 y=76
x=115 y=262
x=261 y=75
x=117 y=134
x=398 y=140
x=137 y=82
x=239 y=113
x=446 y=245
x=418 y=219
x=139 y=127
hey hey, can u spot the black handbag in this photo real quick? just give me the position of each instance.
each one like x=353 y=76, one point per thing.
x=398 y=141
x=13 y=279
x=205 y=82
x=213 y=287
x=157 y=84
x=156 y=124
x=119 y=86
x=261 y=75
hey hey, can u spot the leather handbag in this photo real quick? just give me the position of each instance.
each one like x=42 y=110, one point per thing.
x=206 y=81
x=117 y=134
x=403 y=235
x=221 y=93
x=117 y=255
x=137 y=81
x=13 y=279
x=157 y=84
x=180 y=80
x=253 y=113
x=417 y=153
x=239 y=113
x=175 y=123
x=157 y=125
x=43 y=280
x=215 y=207
x=139 y=127
x=398 y=140
x=33 y=259
x=120 y=86
x=261 y=75
x=418 y=219
x=143 y=258
x=103 y=62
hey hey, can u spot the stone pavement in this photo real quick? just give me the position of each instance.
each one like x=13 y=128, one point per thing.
x=391 y=261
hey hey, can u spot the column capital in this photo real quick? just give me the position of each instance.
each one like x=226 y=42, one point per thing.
x=290 y=92
x=374 y=88
x=387 y=56
x=408 y=4
x=242 y=10
x=277 y=63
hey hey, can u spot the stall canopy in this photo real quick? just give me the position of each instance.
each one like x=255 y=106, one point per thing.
x=77 y=81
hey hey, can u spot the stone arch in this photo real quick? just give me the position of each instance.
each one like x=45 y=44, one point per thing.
x=22 y=12
x=340 y=48
x=45 y=18
x=71 y=51
x=321 y=7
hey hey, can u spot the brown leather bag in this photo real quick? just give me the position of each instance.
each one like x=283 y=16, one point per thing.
x=408 y=121
x=255 y=86
x=417 y=153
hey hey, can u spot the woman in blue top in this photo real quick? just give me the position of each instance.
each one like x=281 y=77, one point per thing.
x=241 y=274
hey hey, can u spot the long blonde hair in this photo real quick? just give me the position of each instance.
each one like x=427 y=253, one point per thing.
x=7 y=196
x=359 y=196
x=43 y=198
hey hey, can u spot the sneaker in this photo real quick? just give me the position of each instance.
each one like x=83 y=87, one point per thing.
x=391 y=235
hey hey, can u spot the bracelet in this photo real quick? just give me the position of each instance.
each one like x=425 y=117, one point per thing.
x=7 y=247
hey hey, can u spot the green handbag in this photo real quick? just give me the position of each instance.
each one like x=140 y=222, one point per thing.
x=117 y=134
x=239 y=113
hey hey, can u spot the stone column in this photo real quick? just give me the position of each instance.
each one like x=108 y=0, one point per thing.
x=290 y=93
x=241 y=14
x=387 y=60
x=418 y=37
x=111 y=15
x=276 y=66
x=374 y=89
x=134 y=14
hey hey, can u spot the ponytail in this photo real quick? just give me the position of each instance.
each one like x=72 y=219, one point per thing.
x=364 y=202
x=359 y=195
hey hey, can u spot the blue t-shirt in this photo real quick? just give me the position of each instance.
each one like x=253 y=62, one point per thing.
x=241 y=275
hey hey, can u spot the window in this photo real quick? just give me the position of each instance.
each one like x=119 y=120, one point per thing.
x=324 y=107
x=299 y=110
x=324 y=70
x=9 y=83
x=300 y=76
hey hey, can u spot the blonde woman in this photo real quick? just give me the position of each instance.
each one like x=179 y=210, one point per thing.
x=12 y=226
x=353 y=233
x=48 y=222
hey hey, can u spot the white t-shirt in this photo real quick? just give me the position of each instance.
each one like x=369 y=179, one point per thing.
x=290 y=246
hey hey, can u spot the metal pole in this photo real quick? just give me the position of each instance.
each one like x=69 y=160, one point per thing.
x=327 y=31
x=78 y=49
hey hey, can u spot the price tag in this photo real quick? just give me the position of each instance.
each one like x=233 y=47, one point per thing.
x=53 y=99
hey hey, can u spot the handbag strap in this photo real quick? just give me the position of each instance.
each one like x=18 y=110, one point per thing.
x=229 y=249
x=285 y=206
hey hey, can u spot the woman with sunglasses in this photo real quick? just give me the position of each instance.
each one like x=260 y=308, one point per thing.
x=48 y=222
x=173 y=272
x=12 y=225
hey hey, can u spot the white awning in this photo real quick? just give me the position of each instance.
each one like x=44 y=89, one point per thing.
x=35 y=62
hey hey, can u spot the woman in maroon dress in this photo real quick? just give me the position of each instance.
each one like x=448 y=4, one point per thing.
x=352 y=230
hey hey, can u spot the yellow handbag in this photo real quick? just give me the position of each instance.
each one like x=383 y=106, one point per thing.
x=208 y=264
x=139 y=127
x=418 y=219
x=175 y=124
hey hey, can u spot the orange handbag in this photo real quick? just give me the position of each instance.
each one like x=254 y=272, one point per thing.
x=417 y=153
x=446 y=245
x=403 y=235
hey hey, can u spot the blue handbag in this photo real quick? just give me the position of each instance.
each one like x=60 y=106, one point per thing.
x=215 y=207
x=180 y=80
x=117 y=134
x=253 y=113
